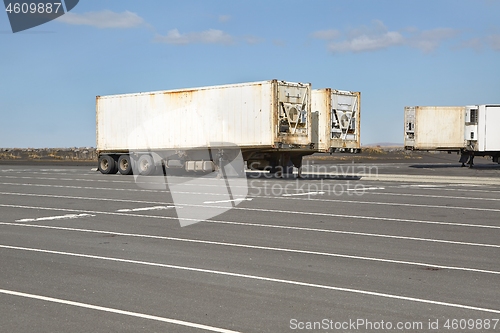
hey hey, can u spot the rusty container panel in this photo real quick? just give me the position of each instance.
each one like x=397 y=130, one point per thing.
x=292 y=114
x=338 y=116
x=247 y=115
x=435 y=127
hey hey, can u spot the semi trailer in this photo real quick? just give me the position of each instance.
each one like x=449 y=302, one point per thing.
x=196 y=129
x=336 y=120
x=469 y=130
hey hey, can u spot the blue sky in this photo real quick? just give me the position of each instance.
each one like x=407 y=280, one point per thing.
x=397 y=53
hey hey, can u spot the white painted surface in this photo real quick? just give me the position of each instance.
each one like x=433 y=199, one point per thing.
x=60 y=217
x=144 y=209
x=305 y=193
x=232 y=200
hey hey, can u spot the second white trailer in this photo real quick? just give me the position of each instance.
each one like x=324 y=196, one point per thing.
x=336 y=119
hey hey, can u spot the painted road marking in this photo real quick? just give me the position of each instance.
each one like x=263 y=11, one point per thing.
x=254 y=247
x=258 y=278
x=307 y=193
x=361 y=217
x=290 y=212
x=421 y=185
x=357 y=202
x=436 y=196
x=362 y=188
x=233 y=200
x=60 y=217
x=289 y=227
x=144 y=208
x=118 y=311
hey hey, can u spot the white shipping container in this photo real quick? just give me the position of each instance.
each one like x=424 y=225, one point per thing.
x=250 y=115
x=434 y=127
x=472 y=128
x=336 y=119
x=268 y=121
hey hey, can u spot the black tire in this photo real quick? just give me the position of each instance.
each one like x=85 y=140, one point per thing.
x=107 y=165
x=124 y=165
x=145 y=165
x=300 y=174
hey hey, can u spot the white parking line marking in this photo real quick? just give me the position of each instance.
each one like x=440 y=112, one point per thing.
x=307 y=193
x=421 y=185
x=255 y=247
x=444 y=187
x=144 y=208
x=282 y=227
x=357 y=233
x=60 y=217
x=356 y=202
x=383 y=203
x=233 y=200
x=366 y=188
x=434 y=196
x=256 y=277
x=117 y=311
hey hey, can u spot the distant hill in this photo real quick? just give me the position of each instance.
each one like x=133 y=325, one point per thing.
x=47 y=154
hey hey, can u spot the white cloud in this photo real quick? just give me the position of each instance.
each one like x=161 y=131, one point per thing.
x=326 y=34
x=429 y=40
x=103 y=19
x=366 y=39
x=377 y=36
x=491 y=41
x=211 y=36
x=368 y=43
x=472 y=43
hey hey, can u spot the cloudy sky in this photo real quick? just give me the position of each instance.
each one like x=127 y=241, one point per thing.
x=397 y=53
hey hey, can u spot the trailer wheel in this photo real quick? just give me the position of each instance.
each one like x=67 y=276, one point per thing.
x=145 y=165
x=124 y=165
x=107 y=165
x=300 y=174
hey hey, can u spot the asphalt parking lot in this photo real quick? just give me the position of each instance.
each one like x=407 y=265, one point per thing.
x=404 y=247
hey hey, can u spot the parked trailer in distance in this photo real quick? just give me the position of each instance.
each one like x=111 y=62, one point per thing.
x=470 y=130
x=336 y=120
x=192 y=129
